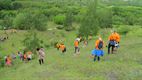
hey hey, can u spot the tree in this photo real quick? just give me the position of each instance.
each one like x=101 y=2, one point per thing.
x=28 y=20
x=31 y=42
x=105 y=17
x=68 y=21
x=89 y=24
x=5 y=4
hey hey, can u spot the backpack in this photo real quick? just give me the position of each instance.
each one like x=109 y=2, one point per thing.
x=100 y=46
x=112 y=43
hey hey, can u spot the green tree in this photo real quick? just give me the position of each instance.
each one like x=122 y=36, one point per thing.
x=105 y=17
x=31 y=41
x=89 y=24
x=5 y=4
x=28 y=20
x=68 y=21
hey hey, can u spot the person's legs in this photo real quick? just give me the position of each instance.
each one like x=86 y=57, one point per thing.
x=98 y=58
x=42 y=61
x=75 y=49
x=78 y=49
x=39 y=61
x=109 y=48
x=112 y=50
x=95 y=58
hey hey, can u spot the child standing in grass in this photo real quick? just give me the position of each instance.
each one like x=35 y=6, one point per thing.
x=98 y=51
x=8 y=61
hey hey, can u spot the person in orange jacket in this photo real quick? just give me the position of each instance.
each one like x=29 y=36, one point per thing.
x=98 y=51
x=99 y=44
x=76 y=45
x=113 y=39
x=63 y=48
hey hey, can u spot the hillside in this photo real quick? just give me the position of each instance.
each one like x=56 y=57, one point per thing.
x=124 y=65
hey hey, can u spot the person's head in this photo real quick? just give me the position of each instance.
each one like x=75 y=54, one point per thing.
x=100 y=38
x=38 y=49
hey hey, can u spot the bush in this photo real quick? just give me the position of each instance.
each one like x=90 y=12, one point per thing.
x=31 y=42
x=124 y=29
x=60 y=27
x=59 y=19
x=16 y=5
x=136 y=31
x=26 y=21
x=5 y=4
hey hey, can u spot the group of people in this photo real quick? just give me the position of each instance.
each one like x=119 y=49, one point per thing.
x=25 y=56
x=113 y=44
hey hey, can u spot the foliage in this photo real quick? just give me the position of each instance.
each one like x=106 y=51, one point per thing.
x=124 y=29
x=26 y=21
x=135 y=31
x=105 y=17
x=31 y=42
x=59 y=19
x=89 y=24
x=68 y=21
x=5 y=4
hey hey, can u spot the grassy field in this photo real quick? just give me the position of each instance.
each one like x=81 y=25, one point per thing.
x=126 y=64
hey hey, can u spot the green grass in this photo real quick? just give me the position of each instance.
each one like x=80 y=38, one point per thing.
x=124 y=65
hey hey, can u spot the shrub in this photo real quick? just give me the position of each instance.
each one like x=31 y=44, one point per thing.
x=59 y=19
x=27 y=20
x=124 y=29
x=60 y=27
x=136 y=31
x=16 y=5
x=31 y=42
x=5 y=4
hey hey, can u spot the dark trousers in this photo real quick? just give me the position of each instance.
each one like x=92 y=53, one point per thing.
x=96 y=57
x=111 y=47
x=41 y=61
x=77 y=49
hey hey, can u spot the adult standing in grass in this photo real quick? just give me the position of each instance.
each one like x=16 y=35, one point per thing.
x=41 y=55
x=98 y=51
x=112 y=40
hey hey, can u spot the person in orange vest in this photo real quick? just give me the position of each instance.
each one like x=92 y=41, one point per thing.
x=63 y=48
x=112 y=40
x=98 y=51
x=8 y=61
x=76 y=45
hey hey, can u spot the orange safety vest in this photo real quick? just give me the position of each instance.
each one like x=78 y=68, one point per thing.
x=97 y=44
x=62 y=47
x=76 y=43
